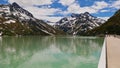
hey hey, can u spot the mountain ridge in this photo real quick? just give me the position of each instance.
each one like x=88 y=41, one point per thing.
x=78 y=24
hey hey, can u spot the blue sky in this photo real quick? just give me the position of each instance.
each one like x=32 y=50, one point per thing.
x=54 y=10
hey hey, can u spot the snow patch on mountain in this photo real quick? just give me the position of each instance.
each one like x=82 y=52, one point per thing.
x=78 y=23
x=10 y=21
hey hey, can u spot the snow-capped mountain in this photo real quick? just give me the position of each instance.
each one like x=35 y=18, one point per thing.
x=77 y=24
x=14 y=20
x=19 y=9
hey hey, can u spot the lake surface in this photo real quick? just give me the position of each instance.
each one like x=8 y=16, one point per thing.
x=50 y=52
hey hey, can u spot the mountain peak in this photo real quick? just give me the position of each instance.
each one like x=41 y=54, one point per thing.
x=74 y=15
x=15 y=5
x=86 y=13
x=20 y=9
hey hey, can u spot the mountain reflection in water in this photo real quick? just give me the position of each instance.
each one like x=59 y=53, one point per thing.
x=50 y=52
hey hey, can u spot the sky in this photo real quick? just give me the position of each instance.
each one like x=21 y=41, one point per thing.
x=54 y=10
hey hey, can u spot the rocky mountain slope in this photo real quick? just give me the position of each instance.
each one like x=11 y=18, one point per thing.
x=112 y=26
x=15 y=20
x=78 y=24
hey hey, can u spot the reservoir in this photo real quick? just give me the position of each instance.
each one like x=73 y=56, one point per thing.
x=50 y=52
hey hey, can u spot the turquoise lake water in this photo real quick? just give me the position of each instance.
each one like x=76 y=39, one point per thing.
x=50 y=52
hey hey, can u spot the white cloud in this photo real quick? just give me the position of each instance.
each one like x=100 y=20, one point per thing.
x=104 y=10
x=52 y=19
x=76 y=8
x=73 y=8
x=32 y=2
x=66 y=2
x=104 y=18
x=100 y=5
x=116 y=4
x=43 y=13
